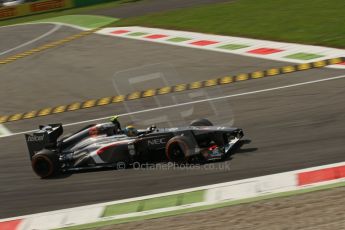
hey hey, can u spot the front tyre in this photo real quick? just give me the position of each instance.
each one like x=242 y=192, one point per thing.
x=201 y=122
x=179 y=149
x=45 y=163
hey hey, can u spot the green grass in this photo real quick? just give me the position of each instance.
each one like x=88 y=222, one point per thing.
x=73 y=11
x=207 y=207
x=317 y=22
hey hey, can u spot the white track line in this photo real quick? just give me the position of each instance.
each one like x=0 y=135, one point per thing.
x=4 y=131
x=53 y=23
x=61 y=24
x=194 y=102
x=55 y=28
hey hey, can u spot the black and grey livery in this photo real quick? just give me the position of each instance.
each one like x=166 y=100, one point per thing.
x=99 y=146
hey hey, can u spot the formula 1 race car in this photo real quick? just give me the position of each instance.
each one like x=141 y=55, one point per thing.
x=105 y=145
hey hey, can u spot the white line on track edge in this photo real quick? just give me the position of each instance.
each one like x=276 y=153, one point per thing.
x=4 y=131
x=192 y=102
x=53 y=30
x=47 y=22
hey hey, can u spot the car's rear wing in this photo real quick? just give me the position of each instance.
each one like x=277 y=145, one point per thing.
x=45 y=137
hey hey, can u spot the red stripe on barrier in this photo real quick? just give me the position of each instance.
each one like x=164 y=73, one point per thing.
x=341 y=172
x=156 y=36
x=203 y=43
x=10 y=225
x=264 y=51
x=321 y=175
x=120 y=31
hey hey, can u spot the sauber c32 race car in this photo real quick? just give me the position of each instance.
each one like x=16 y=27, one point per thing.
x=104 y=145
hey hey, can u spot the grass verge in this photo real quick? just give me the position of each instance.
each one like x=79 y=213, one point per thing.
x=316 y=22
x=207 y=207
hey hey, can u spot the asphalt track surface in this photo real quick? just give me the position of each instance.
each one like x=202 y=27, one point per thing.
x=290 y=128
x=140 y=8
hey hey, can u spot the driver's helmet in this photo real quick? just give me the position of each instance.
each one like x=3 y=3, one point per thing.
x=152 y=128
x=131 y=131
x=114 y=119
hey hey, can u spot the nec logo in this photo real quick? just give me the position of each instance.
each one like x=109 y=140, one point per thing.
x=156 y=141
x=35 y=138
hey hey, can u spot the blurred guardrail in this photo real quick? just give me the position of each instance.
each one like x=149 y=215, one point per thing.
x=38 y=7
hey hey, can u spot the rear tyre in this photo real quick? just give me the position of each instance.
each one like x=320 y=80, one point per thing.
x=45 y=164
x=179 y=149
x=201 y=122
